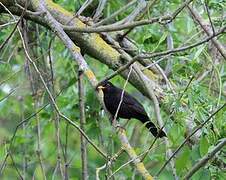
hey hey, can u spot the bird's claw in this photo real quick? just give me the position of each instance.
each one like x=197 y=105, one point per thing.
x=119 y=128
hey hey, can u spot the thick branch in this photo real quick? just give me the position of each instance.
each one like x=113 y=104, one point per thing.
x=91 y=77
x=205 y=159
x=92 y=44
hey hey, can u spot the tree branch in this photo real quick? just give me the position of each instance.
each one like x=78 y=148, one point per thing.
x=200 y=21
x=202 y=162
x=188 y=137
x=84 y=67
x=81 y=91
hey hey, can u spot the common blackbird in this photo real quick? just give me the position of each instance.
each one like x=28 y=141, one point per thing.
x=130 y=107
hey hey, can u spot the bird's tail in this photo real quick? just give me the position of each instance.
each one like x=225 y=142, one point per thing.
x=153 y=129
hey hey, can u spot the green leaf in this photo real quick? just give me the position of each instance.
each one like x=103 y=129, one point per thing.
x=204 y=146
x=198 y=52
x=202 y=174
x=163 y=38
x=183 y=160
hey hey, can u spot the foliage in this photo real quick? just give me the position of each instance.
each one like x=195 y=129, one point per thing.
x=202 y=97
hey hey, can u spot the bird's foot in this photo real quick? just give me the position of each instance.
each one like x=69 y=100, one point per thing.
x=119 y=127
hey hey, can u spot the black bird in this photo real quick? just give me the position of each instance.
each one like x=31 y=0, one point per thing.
x=130 y=107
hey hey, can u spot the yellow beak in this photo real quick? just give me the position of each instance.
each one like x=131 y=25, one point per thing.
x=101 y=87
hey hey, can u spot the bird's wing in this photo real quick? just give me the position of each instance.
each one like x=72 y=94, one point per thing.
x=133 y=104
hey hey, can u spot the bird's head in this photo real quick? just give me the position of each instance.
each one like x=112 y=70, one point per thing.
x=105 y=86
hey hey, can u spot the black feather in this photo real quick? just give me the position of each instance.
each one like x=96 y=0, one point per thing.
x=130 y=107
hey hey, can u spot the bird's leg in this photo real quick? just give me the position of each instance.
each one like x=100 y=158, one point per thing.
x=112 y=120
x=119 y=127
x=115 y=123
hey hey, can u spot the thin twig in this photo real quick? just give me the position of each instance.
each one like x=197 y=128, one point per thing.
x=109 y=28
x=54 y=25
x=188 y=137
x=128 y=162
x=208 y=38
x=149 y=5
x=55 y=115
x=200 y=21
x=170 y=46
x=14 y=29
x=158 y=117
x=81 y=94
x=66 y=164
x=25 y=159
x=84 y=6
x=14 y=134
x=205 y=159
x=7 y=24
x=37 y=103
x=107 y=19
x=9 y=94
x=14 y=164
x=208 y=13
x=176 y=50
x=172 y=111
x=99 y=10
x=141 y=5
x=121 y=97
x=52 y=99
